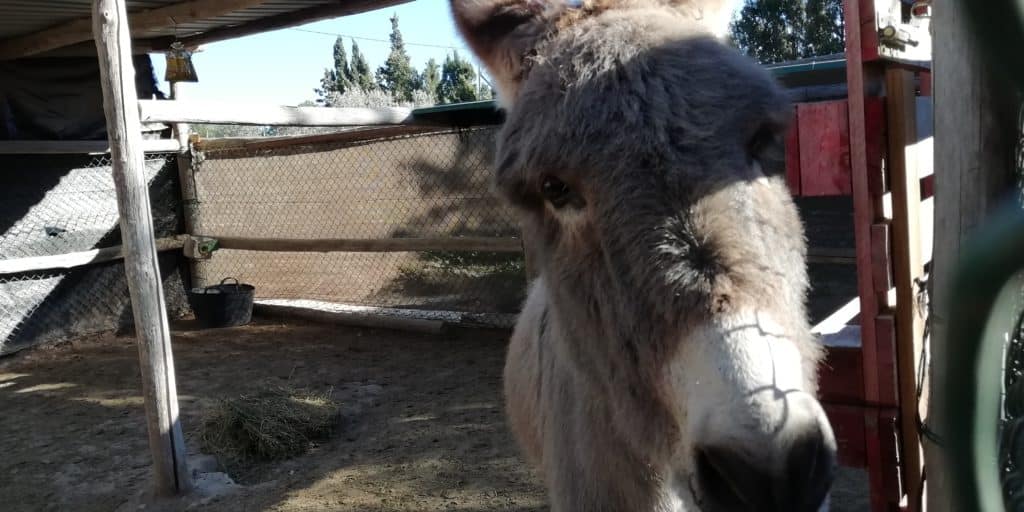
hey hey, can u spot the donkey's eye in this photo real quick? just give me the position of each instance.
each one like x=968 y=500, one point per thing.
x=760 y=142
x=556 y=192
x=766 y=148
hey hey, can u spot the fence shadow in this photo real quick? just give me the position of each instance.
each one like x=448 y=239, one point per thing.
x=464 y=205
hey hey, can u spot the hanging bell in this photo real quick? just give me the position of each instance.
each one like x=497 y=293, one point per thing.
x=179 y=64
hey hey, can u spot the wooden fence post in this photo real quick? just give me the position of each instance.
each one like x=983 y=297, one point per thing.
x=124 y=130
x=975 y=132
x=908 y=267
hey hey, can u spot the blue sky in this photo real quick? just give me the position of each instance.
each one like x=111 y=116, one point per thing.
x=282 y=67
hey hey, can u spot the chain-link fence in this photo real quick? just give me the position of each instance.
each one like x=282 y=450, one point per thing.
x=428 y=185
x=60 y=204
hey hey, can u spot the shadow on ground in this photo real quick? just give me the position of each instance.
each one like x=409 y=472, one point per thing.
x=423 y=426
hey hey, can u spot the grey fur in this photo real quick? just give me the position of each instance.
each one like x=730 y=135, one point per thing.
x=649 y=119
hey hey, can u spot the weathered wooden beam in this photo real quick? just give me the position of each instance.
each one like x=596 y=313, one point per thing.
x=341 y=137
x=117 y=77
x=79 y=30
x=857 y=14
x=79 y=259
x=216 y=112
x=367 y=320
x=831 y=255
x=291 y=19
x=838 y=320
x=863 y=203
x=487 y=244
x=91 y=147
x=907 y=267
x=975 y=133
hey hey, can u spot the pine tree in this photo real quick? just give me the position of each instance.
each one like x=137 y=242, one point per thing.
x=361 y=70
x=335 y=80
x=431 y=77
x=823 y=34
x=457 y=80
x=327 y=84
x=342 y=71
x=397 y=75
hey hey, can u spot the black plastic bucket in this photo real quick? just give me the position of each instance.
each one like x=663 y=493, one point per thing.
x=222 y=305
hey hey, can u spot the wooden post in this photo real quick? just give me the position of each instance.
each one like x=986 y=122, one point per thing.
x=975 y=132
x=124 y=130
x=180 y=129
x=907 y=267
x=186 y=183
x=863 y=204
x=864 y=215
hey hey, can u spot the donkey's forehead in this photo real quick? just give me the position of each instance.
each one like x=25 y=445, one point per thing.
x=625 y=88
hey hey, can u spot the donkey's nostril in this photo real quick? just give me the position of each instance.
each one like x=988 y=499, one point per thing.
x=731 y=481
x=810 y=469
x=798 y=480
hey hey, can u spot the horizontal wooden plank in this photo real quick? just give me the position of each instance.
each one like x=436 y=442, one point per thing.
x=487 y=244
x=79 y=259
x=216 y=112
x=831 y=252
x=350 y=136
x=90 y=147
x=837 y=322
x=421 y=325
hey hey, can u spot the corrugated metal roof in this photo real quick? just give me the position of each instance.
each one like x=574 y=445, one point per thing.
x=20 y=18
x=23 y=17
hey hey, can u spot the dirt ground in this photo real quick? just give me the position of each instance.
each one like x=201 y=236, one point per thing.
x=422 y=427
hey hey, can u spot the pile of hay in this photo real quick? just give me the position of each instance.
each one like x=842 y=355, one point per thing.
x=275 y=422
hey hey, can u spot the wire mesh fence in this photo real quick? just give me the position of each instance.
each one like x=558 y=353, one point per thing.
x=60 y=204
x=430 y=185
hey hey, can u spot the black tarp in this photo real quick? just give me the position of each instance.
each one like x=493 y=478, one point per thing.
x=60 y=98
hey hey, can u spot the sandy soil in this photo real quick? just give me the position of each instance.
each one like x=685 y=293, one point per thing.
x=422 y=427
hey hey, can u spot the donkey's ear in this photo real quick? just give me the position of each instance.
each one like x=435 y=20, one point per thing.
x=502 y=33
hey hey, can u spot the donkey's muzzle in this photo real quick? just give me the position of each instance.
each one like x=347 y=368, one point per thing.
x=790 y=474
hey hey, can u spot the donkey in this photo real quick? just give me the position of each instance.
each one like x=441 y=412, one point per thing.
x=663 y=358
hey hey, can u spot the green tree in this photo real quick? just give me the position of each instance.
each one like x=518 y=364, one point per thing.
x=457 y=80
x=770 y=30
x=431 y=77
x=327 y=85
x=339 y=78
x=361 y=70
x=823 y=32
x=780 y=30
x=397 y=75
x=342 y=71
